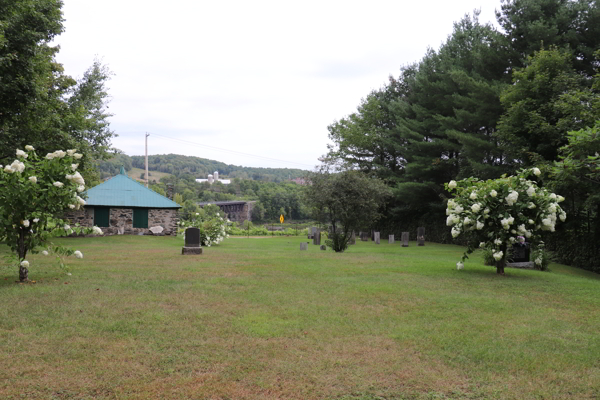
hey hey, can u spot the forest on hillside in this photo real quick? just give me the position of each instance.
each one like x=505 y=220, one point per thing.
x=198 y=167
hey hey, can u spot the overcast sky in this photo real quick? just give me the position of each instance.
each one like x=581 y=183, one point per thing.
x=253 y=83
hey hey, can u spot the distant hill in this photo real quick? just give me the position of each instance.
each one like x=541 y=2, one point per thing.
x=198 y=167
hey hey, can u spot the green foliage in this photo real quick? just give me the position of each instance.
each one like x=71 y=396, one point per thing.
x=36 y=191
x=189 y=209
x=39 y=104
x=178 y=198
x=548 y=99
x=348 y=200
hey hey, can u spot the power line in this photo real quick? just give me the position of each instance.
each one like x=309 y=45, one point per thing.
x=230 y=151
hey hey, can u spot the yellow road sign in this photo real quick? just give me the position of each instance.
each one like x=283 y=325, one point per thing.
x=281 y=218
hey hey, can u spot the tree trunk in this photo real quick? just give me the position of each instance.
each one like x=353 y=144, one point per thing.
x=22 y=252
x=502 y=262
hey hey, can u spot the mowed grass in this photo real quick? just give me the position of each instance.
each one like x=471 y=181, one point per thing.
x=259 y=319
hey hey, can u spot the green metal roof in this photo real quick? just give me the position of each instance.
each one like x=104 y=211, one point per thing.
x=122 y=191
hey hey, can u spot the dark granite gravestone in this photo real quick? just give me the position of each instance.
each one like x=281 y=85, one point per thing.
x=192 y=242
x=364 y=236
x=421 y=236
x=405 y=239
x=303 y=246
x=317 y=238
x=323 y=247
x=391 y=239
x=520 y=253
x=377 y=237
x=372 y=236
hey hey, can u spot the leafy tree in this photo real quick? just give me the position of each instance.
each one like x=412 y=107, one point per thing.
x=494 y=213
x=572 y=26
x=347 y=200
x=548 y=99
x=39 y=104
x=35 y=193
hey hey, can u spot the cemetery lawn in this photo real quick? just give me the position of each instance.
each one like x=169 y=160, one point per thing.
x=258 y=319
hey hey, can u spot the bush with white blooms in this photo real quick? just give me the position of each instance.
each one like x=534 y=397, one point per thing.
x=493 y=214
x=209 y=220
x=36 y=191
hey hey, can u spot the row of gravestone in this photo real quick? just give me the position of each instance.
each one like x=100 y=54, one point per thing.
x=376 y=237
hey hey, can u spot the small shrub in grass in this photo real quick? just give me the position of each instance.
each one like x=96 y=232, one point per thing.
x=541 y=258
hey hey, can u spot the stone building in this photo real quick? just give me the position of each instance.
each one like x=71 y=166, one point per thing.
x=122 y=205
x=237 y=211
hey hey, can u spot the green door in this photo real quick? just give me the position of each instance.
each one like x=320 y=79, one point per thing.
x=101 y=215
x=140 y=217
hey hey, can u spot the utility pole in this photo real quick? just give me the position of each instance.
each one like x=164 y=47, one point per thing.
x=146 y=175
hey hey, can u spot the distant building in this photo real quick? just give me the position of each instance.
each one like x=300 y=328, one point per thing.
x=121 y=205
x=237 y=211
x=214 y=178
x=299 y=181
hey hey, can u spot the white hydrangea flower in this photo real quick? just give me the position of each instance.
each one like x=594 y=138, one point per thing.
x=480 y=225
x=71 y=152
x=498 y=242
x=24 y=264
x=45 y=252
x=29 y=148
x=493 y=193
x=531 y=191
x=560 y=199
x=512 y=198
x=80 y=200
x=538 y=261
x=563 y=216
x=467 y=221
x=78 y=254
x=33 y=179
x=521 y=228
x=530 y=205
x=58 y=184
x=80 y=188
x=473 y=195
x=9 y=169
x=482 y=244
x=460 y=265
x=511 y=240
x=552 y=208
x=74 y=166
x=531 y=222
x=486 y=211
x=60 y=153
x=553 y=196
x=536 y=171
x=455 y=231
x=450 y=220
x=452 y=184
x=498 y=255
x=458 y=209
x=528 y=234
x=476 y=207
x=67 y=227
x=97 y=231
x=71 y=206
x=511 y=220
x=77 y=156
x=21 y=153
x=25 y=223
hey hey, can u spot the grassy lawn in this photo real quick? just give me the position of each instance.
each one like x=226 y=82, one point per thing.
x=258 y=319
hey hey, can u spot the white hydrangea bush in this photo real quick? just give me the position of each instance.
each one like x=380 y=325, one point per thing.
x=213 y=225
x=493 y=214
x=35 y=193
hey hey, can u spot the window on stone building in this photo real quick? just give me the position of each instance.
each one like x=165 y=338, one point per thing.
x=101 y=216
x=140 y=217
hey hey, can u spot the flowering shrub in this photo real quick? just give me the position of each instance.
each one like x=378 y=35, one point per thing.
x=35 y=192
x=213 y=227
x=494 y=214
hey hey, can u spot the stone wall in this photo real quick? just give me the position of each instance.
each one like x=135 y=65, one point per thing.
x=121 y=220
